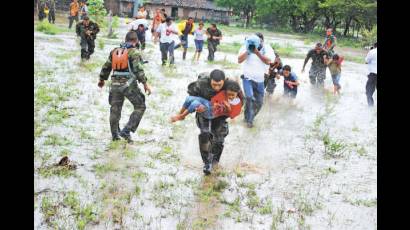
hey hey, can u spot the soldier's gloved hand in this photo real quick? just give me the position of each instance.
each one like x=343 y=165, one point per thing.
x=101 y=83
x=147 y=89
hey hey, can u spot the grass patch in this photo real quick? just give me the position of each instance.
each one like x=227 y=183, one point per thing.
x=333 y=148
x=56 y=116
x=83 y=215
x=54 y=140
x=101 y=169
x=277 y=217
x=367 y=203
x=230 y=47
x=288 y=50
x=48 y=208
x=266 y=208
x=225 y=64
x=62 y=171
x=47 y=28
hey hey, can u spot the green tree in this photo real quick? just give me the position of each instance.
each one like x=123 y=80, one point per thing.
x=97 y=11
x=240 y=7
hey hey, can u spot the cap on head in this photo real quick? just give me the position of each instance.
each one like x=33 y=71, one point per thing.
x=217 y=75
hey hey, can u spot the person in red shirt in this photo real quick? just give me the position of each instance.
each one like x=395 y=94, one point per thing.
x=224 y=103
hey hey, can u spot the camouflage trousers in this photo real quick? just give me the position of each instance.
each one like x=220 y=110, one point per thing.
x=87 y=47
x=212 y=137
x=116 y=100
x=317 y=75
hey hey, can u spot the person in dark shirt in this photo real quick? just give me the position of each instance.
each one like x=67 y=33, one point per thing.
x=212 y=131
x=214 y=36
x=317 y=72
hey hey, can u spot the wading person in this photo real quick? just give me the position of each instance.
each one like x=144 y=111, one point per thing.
x=330 y=42
x=83 y=10
x=142 y=13
x=184 y=29
x=87 y=30
x=41 y=13
x=371 y=85
x=214 y=37
x=274 y=68
x=255 y=58
x=139 y=26
x=52 y=14
x=156 y=21
x=125 y=62
x=290 y=82
x=74 y=10
x=167 y=31
x=199 y=40
x=335 y=67
x=317 y=72
x=212 y=131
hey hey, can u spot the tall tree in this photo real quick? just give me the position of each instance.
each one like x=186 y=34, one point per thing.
x=244 y=7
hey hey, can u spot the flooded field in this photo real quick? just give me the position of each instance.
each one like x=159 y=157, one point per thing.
x=307 y=165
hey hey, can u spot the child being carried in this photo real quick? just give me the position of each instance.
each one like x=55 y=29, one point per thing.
x=224 y=103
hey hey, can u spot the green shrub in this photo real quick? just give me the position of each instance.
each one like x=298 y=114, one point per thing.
x=47 y=28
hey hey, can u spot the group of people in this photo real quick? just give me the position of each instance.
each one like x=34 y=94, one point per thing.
x=47 y=9
x=213 y=97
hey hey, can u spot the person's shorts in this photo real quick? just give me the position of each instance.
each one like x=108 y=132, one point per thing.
x=336 y=79
x=184 y=41
x=199 y=44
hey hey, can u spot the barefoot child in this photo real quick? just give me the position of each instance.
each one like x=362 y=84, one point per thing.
x=225 y=103
x=199 y=40
x=335 y=67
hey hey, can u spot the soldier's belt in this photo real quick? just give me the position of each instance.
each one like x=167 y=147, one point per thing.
x=124 y=74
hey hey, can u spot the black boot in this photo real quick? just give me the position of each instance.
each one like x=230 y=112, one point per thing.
x=184 y=55
x=207 y=168
x=125 y=133
x=115 y=137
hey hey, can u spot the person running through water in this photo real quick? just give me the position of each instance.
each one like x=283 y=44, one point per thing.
x=214 y=38
x=255 y=58
x=317 y=72
x=184 y=29
x=335 y=67
x=371 y=84
x=212 y=131
x=330 y=42
x=87 y=30
x=167 y=31
x=274 y=68
x=125 y=61
x=199 y=40
x=74 y=11
x=290 y=82
x=52 y=14
x=225 y=103
x=156 y=21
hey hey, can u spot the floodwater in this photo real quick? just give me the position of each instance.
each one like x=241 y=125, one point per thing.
x=282 y=163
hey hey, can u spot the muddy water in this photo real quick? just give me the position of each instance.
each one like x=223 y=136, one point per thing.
x=280 y=155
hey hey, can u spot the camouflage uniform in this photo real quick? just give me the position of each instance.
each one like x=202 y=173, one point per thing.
x=317 y=72
x=87 y=42
x=132 y=93
x=212 y=132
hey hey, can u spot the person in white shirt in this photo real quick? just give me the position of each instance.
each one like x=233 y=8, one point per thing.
x=371 y=85
x=255 y=58
x=167 y=32
x=142 y=13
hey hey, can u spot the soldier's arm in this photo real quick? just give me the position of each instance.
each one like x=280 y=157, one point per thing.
x=306 y=60
x=96 y=29
x=106 y=69
x=138 y=70
x=78 y=29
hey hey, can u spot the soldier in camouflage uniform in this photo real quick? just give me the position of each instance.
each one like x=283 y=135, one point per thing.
x=87 y=30
x=132 y=93
x=317 y=72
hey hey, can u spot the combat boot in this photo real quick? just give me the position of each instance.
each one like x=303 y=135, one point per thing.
x=125 y=133
x=207 y=168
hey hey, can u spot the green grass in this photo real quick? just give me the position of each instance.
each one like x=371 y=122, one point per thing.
x=333 y=148
x=47 y=28
x=61 y=171
x=225 y=64
x=230 y=47
x=287 y=50
x=83 y=215
x=266 y=208
x=48 y=208
x=101 y=169
x=277 y=217
x=56 y=116
x=366 y=203
x=54 y=139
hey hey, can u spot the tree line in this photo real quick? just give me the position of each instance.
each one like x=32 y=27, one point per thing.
x=346 y=17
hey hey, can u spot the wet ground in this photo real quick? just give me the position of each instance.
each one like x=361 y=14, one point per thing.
x=310 y=164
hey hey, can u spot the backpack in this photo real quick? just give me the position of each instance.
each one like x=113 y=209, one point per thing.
x=119 y=59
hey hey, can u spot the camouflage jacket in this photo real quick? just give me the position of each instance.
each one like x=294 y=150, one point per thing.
x=80 y=29
x=317 y=59
x=202 y=87
x=135 y=64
